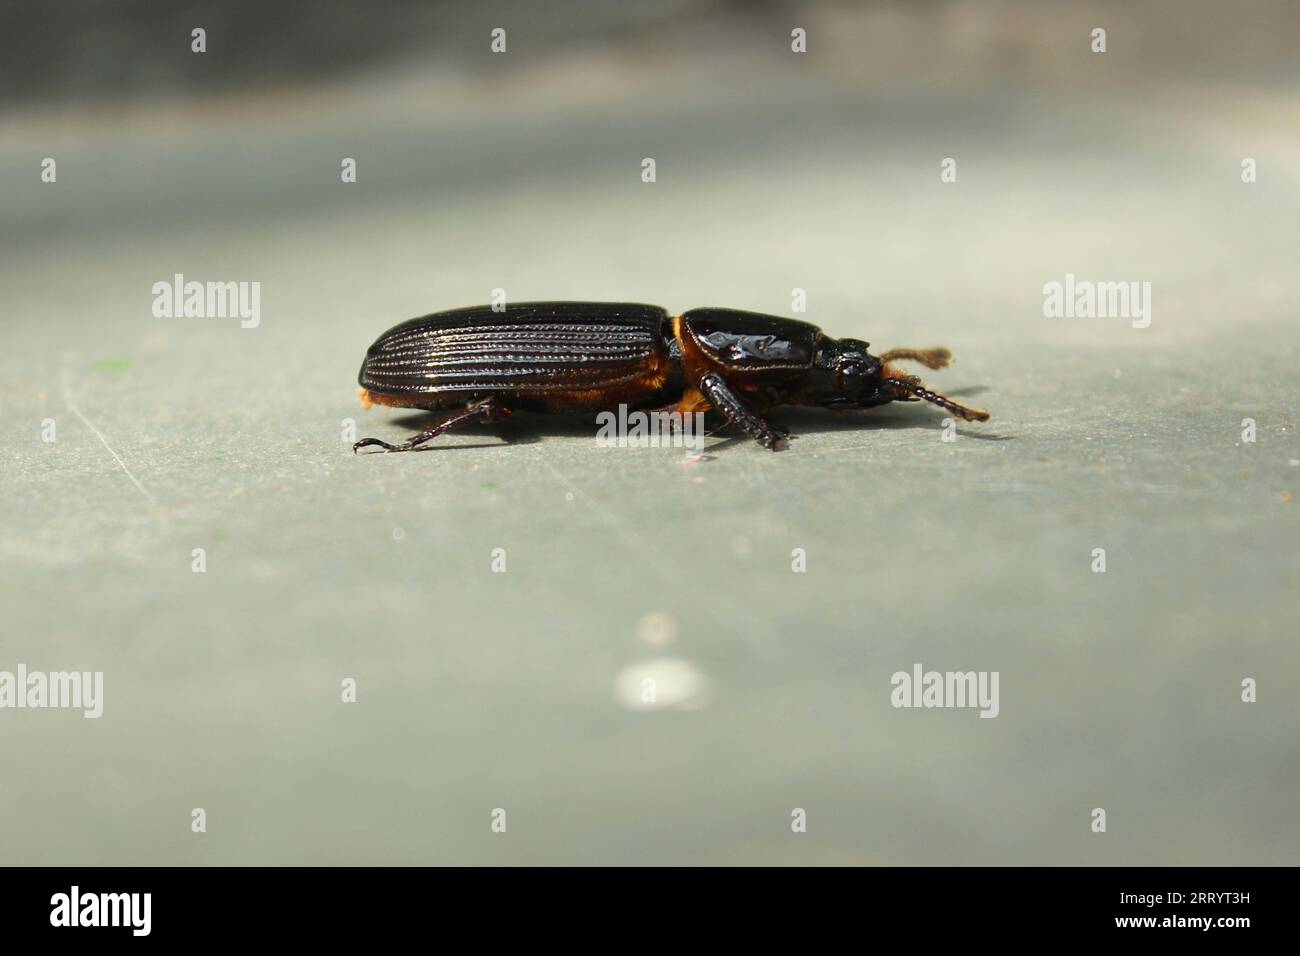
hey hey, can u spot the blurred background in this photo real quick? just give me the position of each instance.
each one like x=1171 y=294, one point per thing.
x=775 y=171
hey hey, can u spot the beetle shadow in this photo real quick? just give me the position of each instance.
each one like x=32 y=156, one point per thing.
x=523 y=428
x=896 y=416
x=967 y=391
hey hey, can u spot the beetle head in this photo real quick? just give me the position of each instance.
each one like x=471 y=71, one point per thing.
x=846 y=375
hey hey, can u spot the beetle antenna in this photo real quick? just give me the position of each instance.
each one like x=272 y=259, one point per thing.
x=930 y=358
x=913 y=387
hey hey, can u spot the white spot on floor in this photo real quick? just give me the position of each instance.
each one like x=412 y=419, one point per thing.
x=663 y=683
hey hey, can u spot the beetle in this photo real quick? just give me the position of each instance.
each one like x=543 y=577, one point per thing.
x=590 y=356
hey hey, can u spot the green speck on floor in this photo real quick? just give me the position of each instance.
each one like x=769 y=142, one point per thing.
x=115 y=364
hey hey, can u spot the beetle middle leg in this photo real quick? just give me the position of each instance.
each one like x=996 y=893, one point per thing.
x=715 y=389
x=485 y=410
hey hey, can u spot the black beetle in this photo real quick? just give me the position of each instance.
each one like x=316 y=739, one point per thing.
x=592 y=356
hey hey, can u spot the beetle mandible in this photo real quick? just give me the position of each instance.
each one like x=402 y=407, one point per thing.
x=591 y=356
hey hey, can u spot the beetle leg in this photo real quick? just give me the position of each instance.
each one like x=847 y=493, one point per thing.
x=485 y=410
x=724 y=400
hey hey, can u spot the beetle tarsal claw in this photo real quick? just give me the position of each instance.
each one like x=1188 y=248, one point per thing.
x=373 y=441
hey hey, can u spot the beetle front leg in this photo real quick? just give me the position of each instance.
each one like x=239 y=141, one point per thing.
x=715 y=389
x=485 y=410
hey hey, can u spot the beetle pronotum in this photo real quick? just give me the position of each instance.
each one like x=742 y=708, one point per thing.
x=592 y=356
